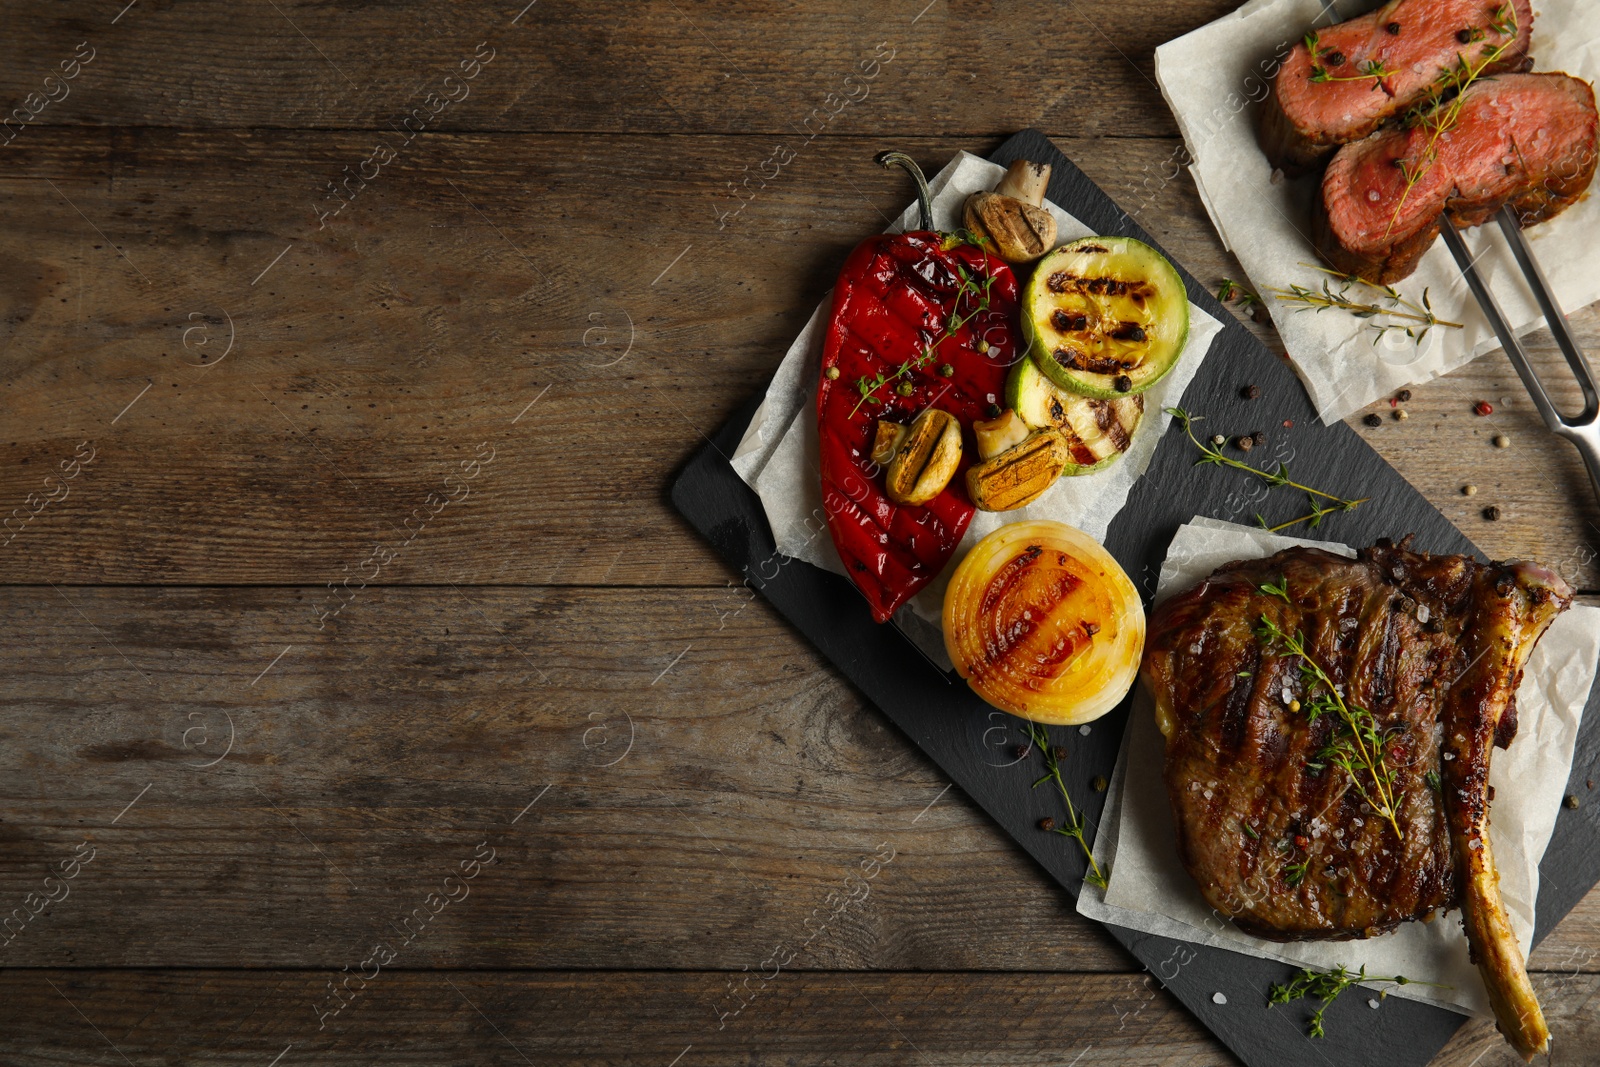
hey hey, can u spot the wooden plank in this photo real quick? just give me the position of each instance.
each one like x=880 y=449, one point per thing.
x=371 y=759
x=495 y=1017
x=611 y=67
x=371 y=357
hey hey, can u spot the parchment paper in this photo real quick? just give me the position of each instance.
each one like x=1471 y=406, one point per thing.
x=778 y=453
x=1212 y=79
x=1149 y=889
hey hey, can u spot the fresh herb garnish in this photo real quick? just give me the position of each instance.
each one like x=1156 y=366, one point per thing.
x=1281 y=590
x=1326 y=987
x=1358 y=746
x=1213 y=454
x=868 y=387
x=1040 y=737
x=1410 y=317
x=1432 y=778
x=1438 y=119
x=1295 y=873
x=1231 y=291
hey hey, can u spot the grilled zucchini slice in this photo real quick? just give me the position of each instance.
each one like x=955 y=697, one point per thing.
x=1098 y=431
x=1105 y=316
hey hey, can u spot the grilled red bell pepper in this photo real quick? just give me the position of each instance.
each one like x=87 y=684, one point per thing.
x=920 y=313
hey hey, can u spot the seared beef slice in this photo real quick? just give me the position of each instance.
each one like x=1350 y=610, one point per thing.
x=1414 y=42
x=1527 y=140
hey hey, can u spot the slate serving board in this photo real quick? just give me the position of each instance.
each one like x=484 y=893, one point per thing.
x=959 y=731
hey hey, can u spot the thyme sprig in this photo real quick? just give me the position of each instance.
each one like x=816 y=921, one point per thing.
x=1358 y=746
x=1231 y=291
x=1411 y=317
x=868 y=387
x=1371 y=68
x=1326 y=987
x=1074 y=828
x=1314 y=517
x=1213 y=454
x=1439 y=119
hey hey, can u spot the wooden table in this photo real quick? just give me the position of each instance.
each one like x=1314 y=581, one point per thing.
x=363 y=695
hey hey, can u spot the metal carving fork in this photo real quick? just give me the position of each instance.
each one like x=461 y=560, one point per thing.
x=1584 y=429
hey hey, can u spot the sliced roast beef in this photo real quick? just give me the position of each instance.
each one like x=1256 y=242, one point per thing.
x=1322 y=99
x=1527 y=140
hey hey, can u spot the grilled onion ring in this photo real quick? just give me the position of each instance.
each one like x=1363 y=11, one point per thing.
x=1043 y=623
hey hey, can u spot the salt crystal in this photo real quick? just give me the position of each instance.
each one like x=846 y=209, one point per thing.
x=1084 y=729
x=1373 y=1004
x=1218 y=998
x=1372 y=194
x=1423 y=614
x=1448 y=756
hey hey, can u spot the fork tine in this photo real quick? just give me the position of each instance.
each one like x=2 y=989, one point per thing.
x=1502 y=329
x=1584 y=430
x=1554 y=317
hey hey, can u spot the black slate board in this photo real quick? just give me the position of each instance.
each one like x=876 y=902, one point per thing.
x=954 y=726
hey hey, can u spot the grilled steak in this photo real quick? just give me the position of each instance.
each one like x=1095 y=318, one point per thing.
x=1281 y=822
x=1412 y=43
x=1527 y=140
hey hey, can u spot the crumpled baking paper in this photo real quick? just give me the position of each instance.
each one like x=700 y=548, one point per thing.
x=1212 y=79
x=1149 y=889
x=778 y=453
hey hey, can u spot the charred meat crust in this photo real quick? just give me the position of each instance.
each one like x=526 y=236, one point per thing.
x=1274 y=836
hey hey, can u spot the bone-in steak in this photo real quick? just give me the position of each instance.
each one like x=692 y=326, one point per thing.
x=1281 y=821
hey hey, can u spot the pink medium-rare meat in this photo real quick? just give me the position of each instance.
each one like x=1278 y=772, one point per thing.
x=1413 y=43
x=1527 y=140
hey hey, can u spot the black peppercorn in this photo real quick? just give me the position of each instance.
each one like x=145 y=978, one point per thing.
x=1259 y=439
x=1492 y=512
x=1022 y=751
x=993 y=411
x=1393 y=28
x=1047 y=823
x=1403 y=395
x=1334 y=59
x=1464 y=36
x=1123 y=383
x=1250 y=392
x=1373 y=419
x=1059 y=752
x=1260 y=315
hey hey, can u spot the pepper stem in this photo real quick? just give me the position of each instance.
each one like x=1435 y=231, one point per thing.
x=900 y=159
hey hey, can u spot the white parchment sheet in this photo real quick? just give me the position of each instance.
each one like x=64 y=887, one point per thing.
x=778 y=455
x=1212 y=79
x=1149 y=889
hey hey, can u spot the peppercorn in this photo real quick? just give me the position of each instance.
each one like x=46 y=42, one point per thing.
x=1294 y=705
x=905 y=388
x=1400 y=415
x=1122 y=383
x=1047 y=823
x=1483 y=407
x=1218 y=439
x=1469 y=490
x=1259 y=439
x=946 y=370
x=1572 y=801
x=1334 y=59
x=832 y=374
x=1244 y=442
x=1393 y=28
x=1502 y=441
x=993 y=411
x=1059 y=753
x=1099 y=784
x=1022 y=751
x=1288 y=424
x=1250 y=392
x=1492 y=512
x=1373 y=419
x=1403 y=396
x=1464 y=36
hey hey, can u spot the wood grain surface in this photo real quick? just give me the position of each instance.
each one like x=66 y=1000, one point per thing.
x=371 y=573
